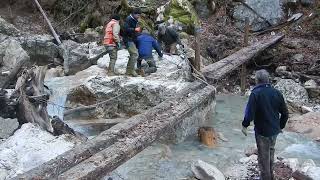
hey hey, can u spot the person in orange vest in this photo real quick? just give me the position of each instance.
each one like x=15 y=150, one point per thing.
x=112 y=42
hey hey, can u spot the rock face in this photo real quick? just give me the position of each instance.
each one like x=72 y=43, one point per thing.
x=292 y=91
x=11 y=53
x=75 y=56
x=27 y=148
x=7 y=127
x=41 y=48
x=203 y=170
x=183 y=12
x=307 y=124
x=140 y=93
x=270 y=10
x=312 y=88
x=7 y=28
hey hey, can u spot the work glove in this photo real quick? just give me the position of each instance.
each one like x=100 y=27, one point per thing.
x=137 y=29
x=118 y=45
x=244 y=131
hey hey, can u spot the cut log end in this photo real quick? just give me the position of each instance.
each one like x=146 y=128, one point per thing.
x=208 y=136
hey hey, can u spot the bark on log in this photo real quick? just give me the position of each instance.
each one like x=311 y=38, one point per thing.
x=217 y=70
x=141 y=137
x=65 y=161
x=33 y=112
x=300 y=176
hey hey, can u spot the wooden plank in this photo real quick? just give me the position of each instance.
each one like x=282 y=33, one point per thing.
x=216 y=71
x=69 y=159
x=141 y=137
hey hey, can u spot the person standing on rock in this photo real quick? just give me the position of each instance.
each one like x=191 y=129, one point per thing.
x=267 y=108
x=130 y=32
x=170 y=37
x=112 y=42
x=146 y=43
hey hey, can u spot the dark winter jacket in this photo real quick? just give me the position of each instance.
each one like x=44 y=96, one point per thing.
x=129 y=34
x=169 y=37
x=145 y=44
x=264 y=106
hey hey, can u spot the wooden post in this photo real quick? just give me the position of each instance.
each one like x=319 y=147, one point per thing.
x=48 y=21
x=197 y=51
x=243 y=67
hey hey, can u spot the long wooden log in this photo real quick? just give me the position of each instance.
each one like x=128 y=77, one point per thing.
x=55 y=35
x=217 y=70
x=65 y=161
x=141 y=137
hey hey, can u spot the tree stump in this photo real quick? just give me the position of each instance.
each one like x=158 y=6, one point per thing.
x=208 y=136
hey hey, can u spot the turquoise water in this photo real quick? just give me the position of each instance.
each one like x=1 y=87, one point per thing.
x=174 y=161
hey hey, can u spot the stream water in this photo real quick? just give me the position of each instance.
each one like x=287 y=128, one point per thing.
x=174 y=161
x=160 y=161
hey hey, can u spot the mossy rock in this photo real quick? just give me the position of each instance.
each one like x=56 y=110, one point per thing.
x=182 y=11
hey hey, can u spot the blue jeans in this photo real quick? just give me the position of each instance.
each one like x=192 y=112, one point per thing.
x=266 y=156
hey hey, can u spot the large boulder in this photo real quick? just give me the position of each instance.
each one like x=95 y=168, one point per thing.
x=7 y=127
x=203 y=170
x=270 y=10
x=76 y=56
x=292 y=91
x=139 y=94
x=307 y=124
x=7 y=28
x=11 y=53
x=30 y=147
x=41 y=48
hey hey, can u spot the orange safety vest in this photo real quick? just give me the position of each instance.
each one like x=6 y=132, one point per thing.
x=108 y=37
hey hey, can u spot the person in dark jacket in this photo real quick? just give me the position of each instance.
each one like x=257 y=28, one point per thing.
x=130 y=32
x=170 y=37
x=264 y=106
x=146 y=43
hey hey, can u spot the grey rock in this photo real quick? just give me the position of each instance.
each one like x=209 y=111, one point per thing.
x=7 y=127
x=292 y=91
x=203 y=170
x=75 y=56
x=297 y=57
x=281 y=69
x=270 y=10
x=7 y=28
x=313 y=172
x=11 y=53
x=312 y=88
x=41 y=48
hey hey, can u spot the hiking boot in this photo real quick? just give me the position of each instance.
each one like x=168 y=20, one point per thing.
x=140 y=72
x=131 y=73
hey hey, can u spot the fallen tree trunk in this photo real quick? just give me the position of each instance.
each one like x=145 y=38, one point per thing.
x=71 y=158
x=217 y=70
x=141 y=137
x=30 y=83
